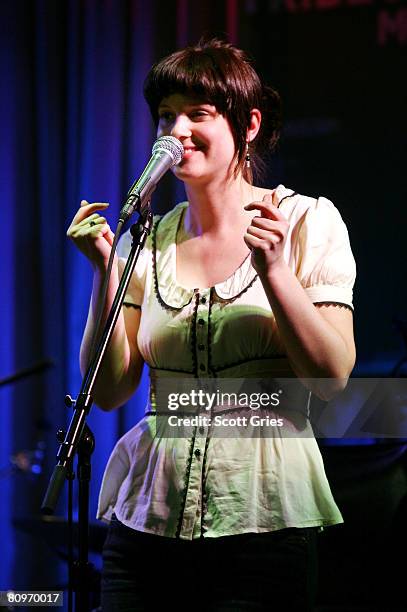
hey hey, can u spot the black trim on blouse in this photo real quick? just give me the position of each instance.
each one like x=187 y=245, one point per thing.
x=160 y=299
x=186 y=483
x=291 y=195
x=204 y=496
x=330 y=303
x=232 y=299
x=193 y=335
x=210 y=368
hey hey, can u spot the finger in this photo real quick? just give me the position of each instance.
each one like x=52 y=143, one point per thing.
x=272 y=198
x=273 y=230
x=85 y=227
x=267 y=209
x=86 y=203
x=263 y=234
x=95 y=227
x=253 y=242
x=108 y=235
x=88 y=209
x=268 y=224
x=90 y=226
x=93 y=235
x=92 y=220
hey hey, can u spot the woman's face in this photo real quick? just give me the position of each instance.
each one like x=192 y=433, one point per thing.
x=210 y=152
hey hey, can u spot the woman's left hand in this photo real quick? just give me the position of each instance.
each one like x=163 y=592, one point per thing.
x=266 y=235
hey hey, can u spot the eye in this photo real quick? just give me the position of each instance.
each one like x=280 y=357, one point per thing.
x=166 y=117
x=198 y=114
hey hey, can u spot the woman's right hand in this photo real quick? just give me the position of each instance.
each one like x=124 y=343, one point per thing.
x=122 y=364
x=91 y=233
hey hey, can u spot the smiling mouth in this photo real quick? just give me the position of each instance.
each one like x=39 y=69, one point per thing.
x=189 y=152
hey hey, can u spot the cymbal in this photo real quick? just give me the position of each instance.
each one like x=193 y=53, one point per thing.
x=54 y=530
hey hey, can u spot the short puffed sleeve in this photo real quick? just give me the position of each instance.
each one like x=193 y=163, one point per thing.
x=135 y=291
x=324 y=262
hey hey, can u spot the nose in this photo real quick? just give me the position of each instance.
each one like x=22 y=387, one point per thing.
x=181 y=127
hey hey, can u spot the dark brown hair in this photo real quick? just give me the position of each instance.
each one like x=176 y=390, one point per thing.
x=220 y=74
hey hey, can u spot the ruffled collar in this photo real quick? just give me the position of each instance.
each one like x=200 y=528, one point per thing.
x=169 y=292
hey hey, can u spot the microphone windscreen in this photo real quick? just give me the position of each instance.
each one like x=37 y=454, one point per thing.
x=171 y=145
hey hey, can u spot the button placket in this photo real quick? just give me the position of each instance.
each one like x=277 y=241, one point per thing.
x=193 y=502
x=202 y=333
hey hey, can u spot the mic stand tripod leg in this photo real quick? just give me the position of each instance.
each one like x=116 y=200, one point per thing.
x=83 y=572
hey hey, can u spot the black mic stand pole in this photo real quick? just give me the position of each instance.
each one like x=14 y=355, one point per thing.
x=79 y=438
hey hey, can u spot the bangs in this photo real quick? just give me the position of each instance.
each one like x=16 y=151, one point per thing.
x=196 y=74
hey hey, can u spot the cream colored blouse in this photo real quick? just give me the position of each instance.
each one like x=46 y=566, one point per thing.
x=216 y=486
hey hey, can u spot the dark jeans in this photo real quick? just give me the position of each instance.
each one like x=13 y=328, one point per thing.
x=266 y=571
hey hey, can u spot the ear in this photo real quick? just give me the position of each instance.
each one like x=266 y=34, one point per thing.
x=254 y=126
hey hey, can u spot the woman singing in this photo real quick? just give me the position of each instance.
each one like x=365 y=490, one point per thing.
x=239 y=281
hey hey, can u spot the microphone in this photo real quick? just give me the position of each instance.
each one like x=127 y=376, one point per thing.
x=167 y=152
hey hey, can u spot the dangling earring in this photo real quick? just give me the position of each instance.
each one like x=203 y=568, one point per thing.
x=247 y=156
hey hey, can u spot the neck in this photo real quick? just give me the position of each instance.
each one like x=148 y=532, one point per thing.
x=216 y=207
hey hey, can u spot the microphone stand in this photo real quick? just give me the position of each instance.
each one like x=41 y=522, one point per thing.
x=79 y=438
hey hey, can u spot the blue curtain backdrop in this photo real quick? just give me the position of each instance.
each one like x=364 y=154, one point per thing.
x=74 y=125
